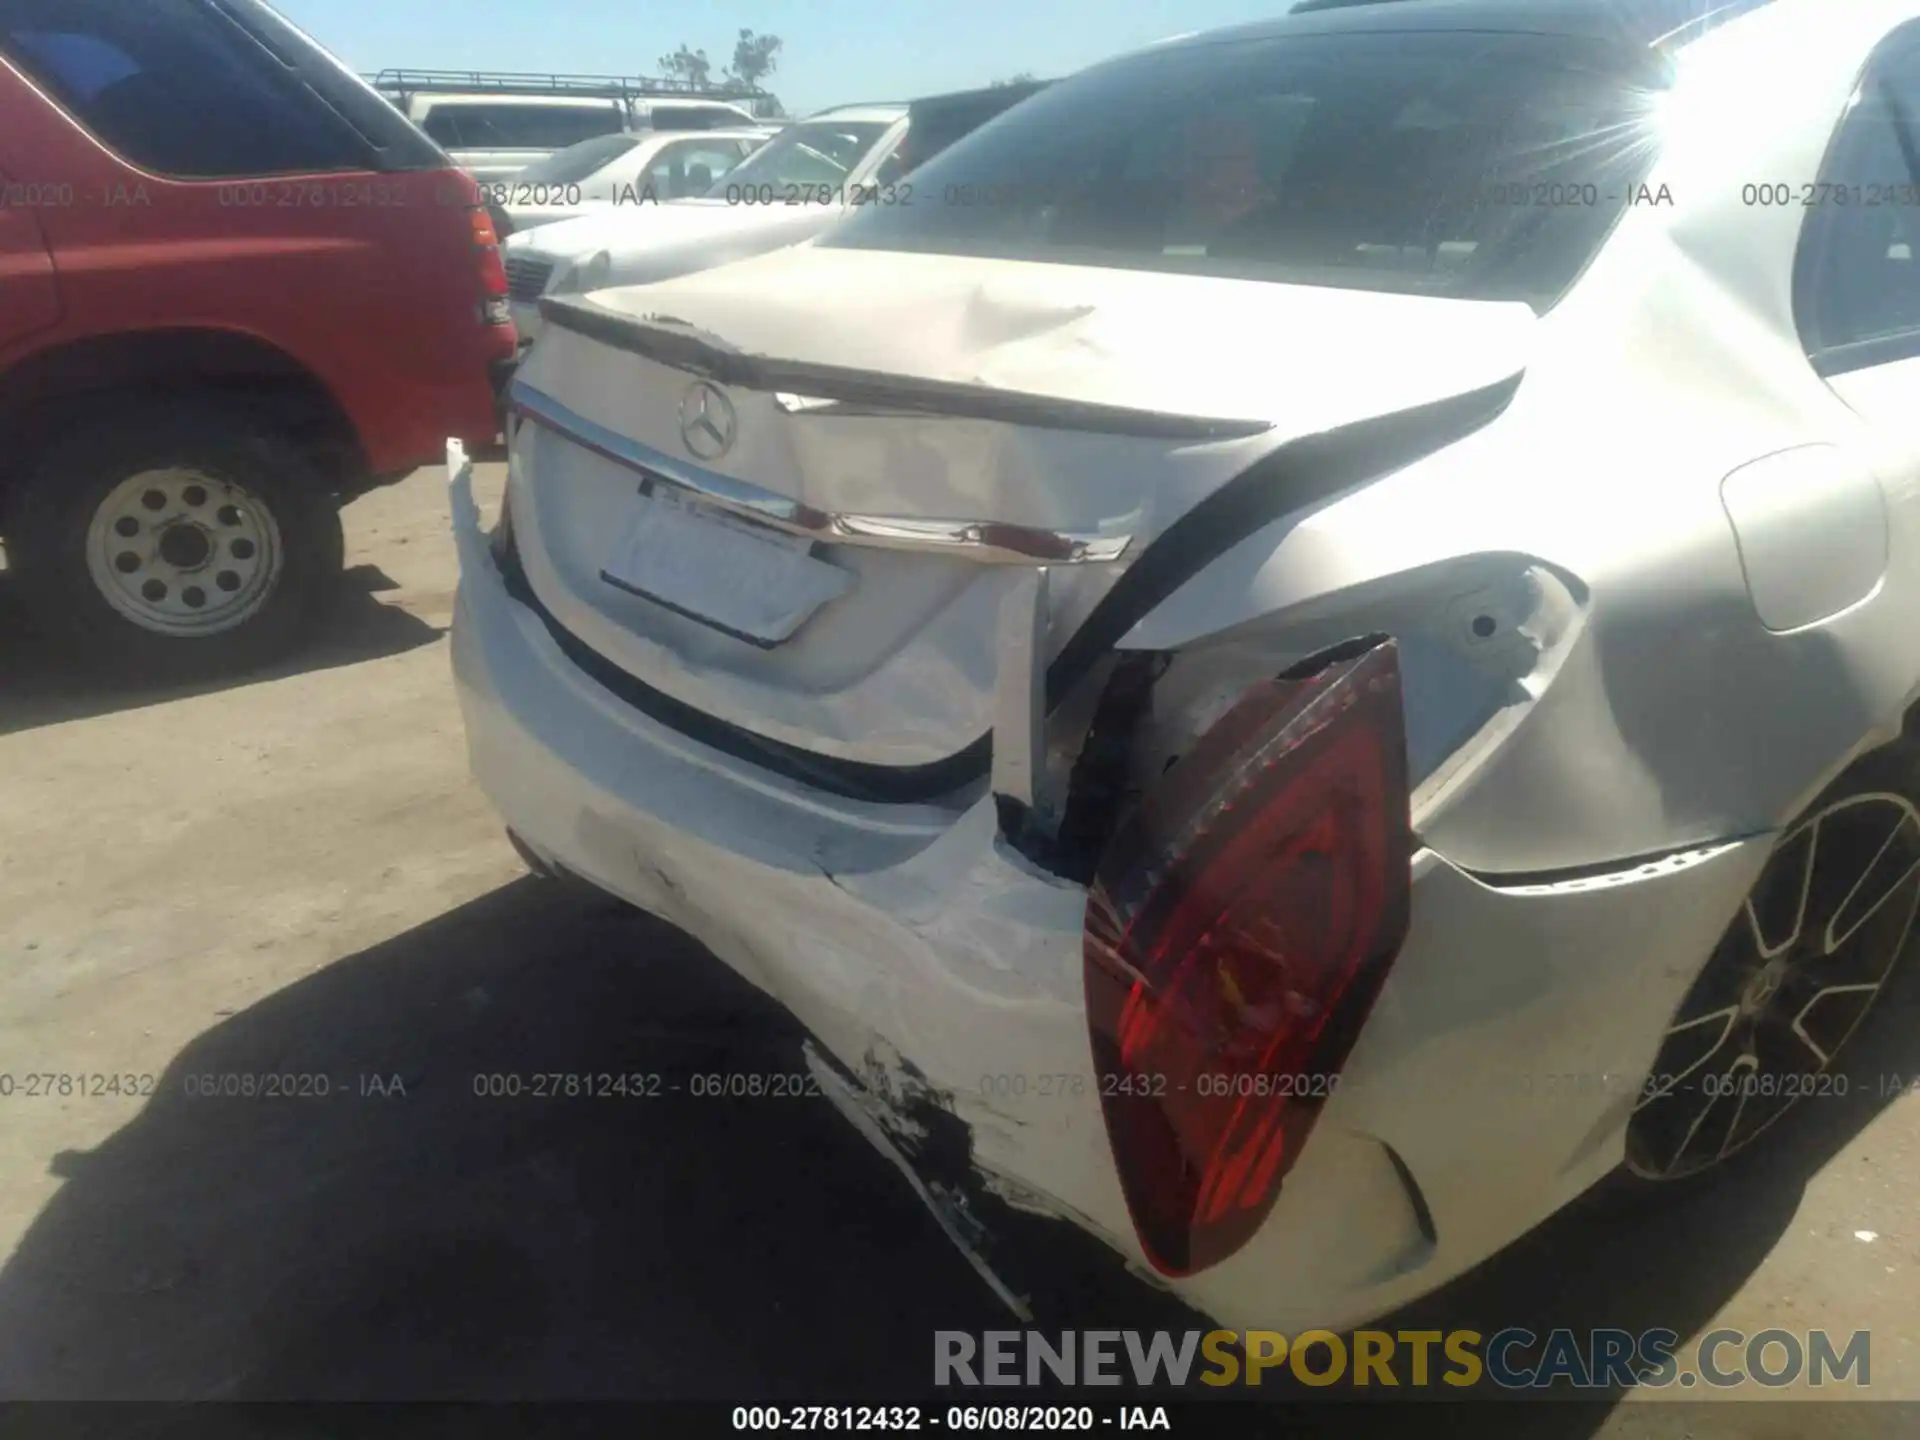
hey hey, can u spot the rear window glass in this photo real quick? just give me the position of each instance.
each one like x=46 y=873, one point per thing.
x=932 y=129
x=505 y=126
x=690 y=167
x=813 y=152
x=1470 y=164
x=577 y=162
x=176 y=87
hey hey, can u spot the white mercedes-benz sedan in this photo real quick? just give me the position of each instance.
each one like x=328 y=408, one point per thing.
x=1306 y=651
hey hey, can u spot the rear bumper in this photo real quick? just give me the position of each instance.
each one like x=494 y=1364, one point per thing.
x=943 y=972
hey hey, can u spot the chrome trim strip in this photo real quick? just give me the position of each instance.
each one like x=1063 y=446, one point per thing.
x=985 y=542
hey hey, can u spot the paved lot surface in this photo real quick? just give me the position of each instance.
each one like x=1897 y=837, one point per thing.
x=293 y=876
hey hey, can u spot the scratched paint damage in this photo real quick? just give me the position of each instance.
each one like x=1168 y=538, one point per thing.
x=912 y=1123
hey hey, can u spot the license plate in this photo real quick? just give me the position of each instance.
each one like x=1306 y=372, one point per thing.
x=756 y=584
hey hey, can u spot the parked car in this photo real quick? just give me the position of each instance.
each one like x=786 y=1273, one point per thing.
x=496 y=124
x=1307 y=654
x=205 y=216
x=813 y=173
x=612 y=173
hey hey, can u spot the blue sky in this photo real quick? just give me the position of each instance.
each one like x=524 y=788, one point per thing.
x=836 y=50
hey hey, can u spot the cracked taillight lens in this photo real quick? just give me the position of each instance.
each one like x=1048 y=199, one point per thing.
x=1239 y=926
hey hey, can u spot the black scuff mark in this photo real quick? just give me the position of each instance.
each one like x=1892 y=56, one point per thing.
x=1055 y=1267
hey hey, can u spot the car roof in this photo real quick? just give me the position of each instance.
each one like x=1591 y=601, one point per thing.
x=1632 y=22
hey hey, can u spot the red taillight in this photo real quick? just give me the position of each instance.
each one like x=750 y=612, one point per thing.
x=1239 y=926
x=492 y=269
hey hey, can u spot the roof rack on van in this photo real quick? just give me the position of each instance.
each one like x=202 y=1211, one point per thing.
x=598 y=87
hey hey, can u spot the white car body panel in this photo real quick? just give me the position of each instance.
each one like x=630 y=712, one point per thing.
x=1534 y=571
x=901 y=672
x=879 y=924
x=1116 y=337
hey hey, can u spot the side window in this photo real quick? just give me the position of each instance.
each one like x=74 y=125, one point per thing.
x=690 y=167
x=692 y=117
x=1858 y=282
x=176 y=88
x=520 y=127
x=443 y=127
x=557 y=127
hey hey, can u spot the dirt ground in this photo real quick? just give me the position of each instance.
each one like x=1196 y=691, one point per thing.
x=294 y=876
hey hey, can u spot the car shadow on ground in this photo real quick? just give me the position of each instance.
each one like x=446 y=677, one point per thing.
x=408 y=1236
x=43 y=686
x=437 y=1243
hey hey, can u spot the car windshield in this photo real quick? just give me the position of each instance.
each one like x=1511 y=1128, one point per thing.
x=577 y=162
x=1471 y=164
x=813 y=152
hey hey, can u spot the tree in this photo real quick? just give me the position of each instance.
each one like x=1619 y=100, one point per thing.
x=755 y=57
x=689 y=65
x=1025 y=77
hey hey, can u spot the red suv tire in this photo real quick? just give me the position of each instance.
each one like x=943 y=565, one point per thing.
x=193 y=523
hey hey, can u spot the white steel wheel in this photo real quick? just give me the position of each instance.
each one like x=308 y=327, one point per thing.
x=173 y=540
x=182 y=553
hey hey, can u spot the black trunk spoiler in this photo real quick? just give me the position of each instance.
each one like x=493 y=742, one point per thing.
x=847 y=390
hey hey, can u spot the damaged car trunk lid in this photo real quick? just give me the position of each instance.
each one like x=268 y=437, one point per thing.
x=790 y=495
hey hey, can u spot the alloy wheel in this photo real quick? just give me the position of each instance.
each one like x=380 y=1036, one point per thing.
x=1792 y=977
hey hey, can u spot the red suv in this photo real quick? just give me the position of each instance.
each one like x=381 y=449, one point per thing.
x=237 y=288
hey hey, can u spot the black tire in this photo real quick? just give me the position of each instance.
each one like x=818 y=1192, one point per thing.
x=73 y=475
x=1832 y=915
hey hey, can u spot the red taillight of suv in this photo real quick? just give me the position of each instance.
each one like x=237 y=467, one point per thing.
x=493 y=270
x=1240 y=924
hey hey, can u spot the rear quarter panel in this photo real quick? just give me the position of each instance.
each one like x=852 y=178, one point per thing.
x=29 y=295
x=366 y=280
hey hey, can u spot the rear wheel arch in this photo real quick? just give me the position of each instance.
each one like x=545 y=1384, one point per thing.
x=54 y=387
x=1760 y=1029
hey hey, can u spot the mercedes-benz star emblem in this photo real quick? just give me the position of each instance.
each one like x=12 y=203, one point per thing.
x=708 y=425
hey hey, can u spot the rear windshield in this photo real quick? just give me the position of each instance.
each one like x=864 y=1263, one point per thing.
x=1466 y=164
x=813 y=152
x=577 y=162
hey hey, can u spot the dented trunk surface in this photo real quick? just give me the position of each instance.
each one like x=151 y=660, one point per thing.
x=960 y=420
